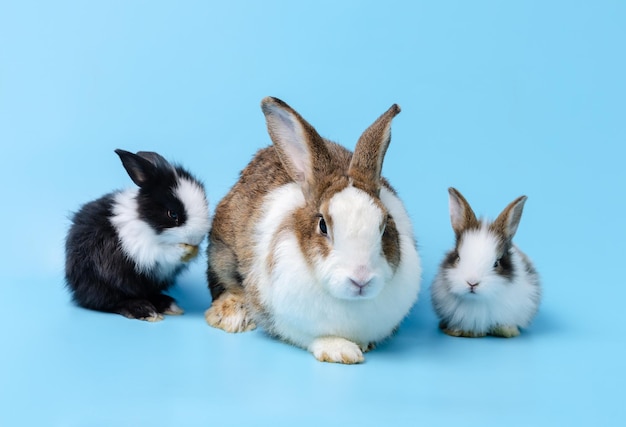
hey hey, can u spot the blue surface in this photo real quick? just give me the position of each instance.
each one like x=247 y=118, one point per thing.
x=498 y=99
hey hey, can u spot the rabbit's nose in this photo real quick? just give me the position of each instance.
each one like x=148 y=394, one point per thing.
x=359 y=283
x=473 y=285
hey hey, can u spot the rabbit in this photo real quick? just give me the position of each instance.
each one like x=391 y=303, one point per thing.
x=127 y=247
x=486 y=285
x=311 y=244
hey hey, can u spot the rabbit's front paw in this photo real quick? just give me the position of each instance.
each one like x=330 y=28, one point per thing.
x=229 y=313
x=336 y=350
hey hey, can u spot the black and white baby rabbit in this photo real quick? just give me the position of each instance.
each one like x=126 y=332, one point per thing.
x=485 y=285
x=127 y=247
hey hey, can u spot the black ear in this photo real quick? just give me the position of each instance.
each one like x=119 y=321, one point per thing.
x=143 y=166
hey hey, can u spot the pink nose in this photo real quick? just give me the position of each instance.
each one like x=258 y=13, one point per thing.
x=473 y=285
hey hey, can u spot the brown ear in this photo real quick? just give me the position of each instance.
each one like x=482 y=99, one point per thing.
x=507 y=222
x=367 y=161
x=301 y=150
x=462 y=216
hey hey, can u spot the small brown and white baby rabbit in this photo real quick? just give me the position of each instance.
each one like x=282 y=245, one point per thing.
x=485 y=285
x=312 y=244
x=127 y=247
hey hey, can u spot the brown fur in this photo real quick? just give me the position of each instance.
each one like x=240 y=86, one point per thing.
x=224 y=309
x=332 y=168
x=508 y=220
x=312 y=243
x=468 y=220
x=368 y=157
x=391 y=243
x=505 y=227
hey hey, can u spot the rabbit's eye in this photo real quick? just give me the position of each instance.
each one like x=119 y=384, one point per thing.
x=497 y=263
x=322 y=226
x=453 y=258
x=173 y=215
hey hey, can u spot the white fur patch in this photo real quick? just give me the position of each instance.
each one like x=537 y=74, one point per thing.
x=196 y=206
x=477 y=255
x=304 y=302
x=336 y=350
x=357 y=250
x=160 y=254
x=174 y=309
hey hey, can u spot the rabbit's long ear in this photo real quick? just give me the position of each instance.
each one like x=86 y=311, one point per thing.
x=507 y=222
x=142 y=167
x=462 y=216
x=301 y=150
x=367 y=161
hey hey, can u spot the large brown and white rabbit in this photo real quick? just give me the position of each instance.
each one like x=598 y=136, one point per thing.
x=485 y=285
x=312 y=244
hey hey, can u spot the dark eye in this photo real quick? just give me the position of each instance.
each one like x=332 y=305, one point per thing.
x=322 y=226
x=173 y=215
x=453 y=258
x=497 y=263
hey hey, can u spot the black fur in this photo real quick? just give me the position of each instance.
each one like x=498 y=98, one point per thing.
x=99 y=274
x=451 y=259
x=505 y=267
x=156 y=178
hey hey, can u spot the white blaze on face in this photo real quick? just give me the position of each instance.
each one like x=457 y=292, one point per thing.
x=196 y=207
x=356 y=267
x=477 y=255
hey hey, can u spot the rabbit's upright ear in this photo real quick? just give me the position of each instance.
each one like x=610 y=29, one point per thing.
x=507 y=222
x=156 y=159
x=367 y=161
x=462 y=216
x=301 y=150
x=143 y=167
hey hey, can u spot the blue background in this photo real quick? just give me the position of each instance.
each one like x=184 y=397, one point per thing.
x=498 y=99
